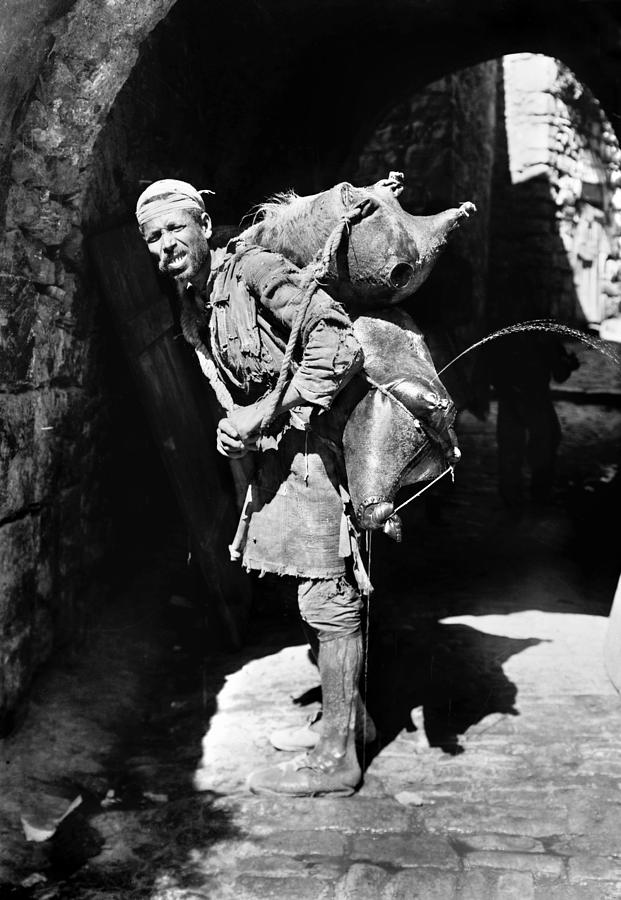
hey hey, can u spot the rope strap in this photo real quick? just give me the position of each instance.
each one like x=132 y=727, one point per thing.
x=311 y=284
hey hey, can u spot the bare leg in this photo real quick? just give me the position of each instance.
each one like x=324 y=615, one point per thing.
x=331 y=607
x=340 y=664
x=331 y=768
x=307 y=736
x=314 y=645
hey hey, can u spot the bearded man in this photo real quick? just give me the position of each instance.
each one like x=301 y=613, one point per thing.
x=243 y=302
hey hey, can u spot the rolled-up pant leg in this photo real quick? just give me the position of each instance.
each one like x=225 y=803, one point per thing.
x=331 y=606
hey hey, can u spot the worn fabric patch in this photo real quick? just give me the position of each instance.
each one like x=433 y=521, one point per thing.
x=332 y=606
x=331 y=357
x=295 y=520
x=254 y=297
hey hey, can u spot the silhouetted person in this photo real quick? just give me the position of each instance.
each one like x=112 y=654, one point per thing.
x=520 y=367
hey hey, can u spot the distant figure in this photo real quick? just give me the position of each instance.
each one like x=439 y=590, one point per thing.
x=520 y=367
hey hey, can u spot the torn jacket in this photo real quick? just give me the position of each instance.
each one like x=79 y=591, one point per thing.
x=295 y=523
x=253 y=300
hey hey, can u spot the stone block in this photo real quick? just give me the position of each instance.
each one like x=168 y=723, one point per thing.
x=502 y=842
x=537 y=863
x=530 y=163
x=263 y=816
x=64 y=176
x=211 y=888
x=608 y=891
x=421 y=884
x=60 y=352
x=515 y=886
x=18 y=302
x=362 y=882
x=19 y=543
x=32 y=257
x=47 y=540
x=274 y=866
x=327 y=870
x=40 y=446
x=258 y=887
x=594 y=868
x=477 y=885
x=28 y=167
x=472 y=818
x=32 y=210
x=305 y=843
x=539 y=103
x=19 y=546
x=405 y=850
x=57 y=353
x=406 y=767
x=598 y=843
x=564 y=891
x=529 y=72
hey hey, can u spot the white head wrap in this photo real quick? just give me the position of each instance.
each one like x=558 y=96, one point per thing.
x=168 y=195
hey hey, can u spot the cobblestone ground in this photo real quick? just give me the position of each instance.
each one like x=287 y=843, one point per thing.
x=497 y=775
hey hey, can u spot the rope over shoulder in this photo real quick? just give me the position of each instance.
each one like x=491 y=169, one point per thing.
x=312 y=283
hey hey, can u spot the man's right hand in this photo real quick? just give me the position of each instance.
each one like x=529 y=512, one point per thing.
x=229 y=443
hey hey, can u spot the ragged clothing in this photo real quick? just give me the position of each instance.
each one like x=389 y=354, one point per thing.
x=253 y=297
x=331 y=606
x=295 y=521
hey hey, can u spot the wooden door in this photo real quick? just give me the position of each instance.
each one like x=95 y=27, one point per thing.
x=177 y=401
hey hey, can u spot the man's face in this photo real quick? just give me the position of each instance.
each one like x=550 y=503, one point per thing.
x=180 y=243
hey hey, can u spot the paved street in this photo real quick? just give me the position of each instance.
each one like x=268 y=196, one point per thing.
x=497 y=775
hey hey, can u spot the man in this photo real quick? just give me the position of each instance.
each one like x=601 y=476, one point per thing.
x=243 y=303
x=520 y=367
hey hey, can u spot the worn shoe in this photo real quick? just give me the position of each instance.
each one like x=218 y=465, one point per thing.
x=306 y=737
x=302 y=777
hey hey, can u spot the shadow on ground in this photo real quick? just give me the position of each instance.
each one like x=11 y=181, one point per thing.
x=120 y=724
x=452 y=672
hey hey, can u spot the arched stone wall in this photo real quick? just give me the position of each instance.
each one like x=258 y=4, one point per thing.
x=443 y=139
x=54 y=524
x=293 y=86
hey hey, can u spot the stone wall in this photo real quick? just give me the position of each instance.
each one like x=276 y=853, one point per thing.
x=556 y=198
x=442 y=138
x=54 y=409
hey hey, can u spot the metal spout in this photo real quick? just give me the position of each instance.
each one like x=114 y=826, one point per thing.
x=441 y=225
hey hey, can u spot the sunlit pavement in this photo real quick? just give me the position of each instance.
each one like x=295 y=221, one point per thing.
x=530 y=806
